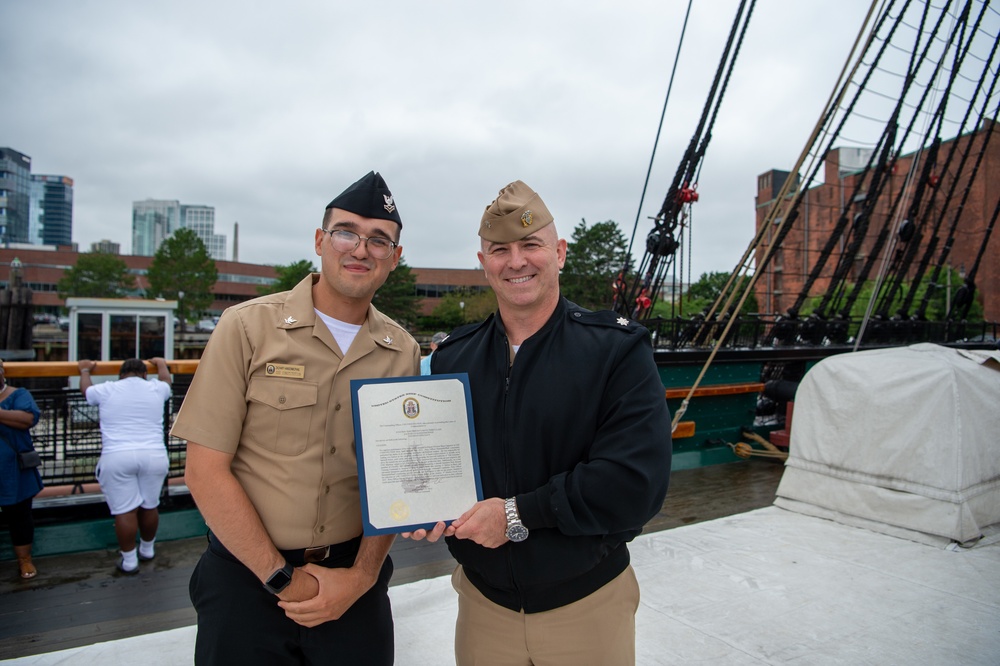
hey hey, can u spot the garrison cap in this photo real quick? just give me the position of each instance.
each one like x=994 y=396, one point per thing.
x=517 y=212
x=368 y=197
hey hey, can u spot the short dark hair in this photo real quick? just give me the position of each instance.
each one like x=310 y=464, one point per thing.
x=133 y=366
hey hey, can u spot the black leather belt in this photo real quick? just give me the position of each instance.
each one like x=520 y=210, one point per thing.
x=343 y=552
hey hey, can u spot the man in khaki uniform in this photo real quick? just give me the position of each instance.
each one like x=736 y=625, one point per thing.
x=288 y=577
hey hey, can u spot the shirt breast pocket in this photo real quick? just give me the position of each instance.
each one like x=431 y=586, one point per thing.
x=279 y=413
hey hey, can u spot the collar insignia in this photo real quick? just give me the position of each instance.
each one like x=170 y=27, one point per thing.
x=290 y=320
x=389 y=205
x=623 y=321
x=526 y=219
x=387 y=340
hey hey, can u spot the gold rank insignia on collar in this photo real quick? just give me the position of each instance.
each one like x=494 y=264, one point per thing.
x=290 y=320
x=387 y=340
x=623 y=321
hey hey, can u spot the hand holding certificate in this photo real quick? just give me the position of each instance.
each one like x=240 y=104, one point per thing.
x=416 y=449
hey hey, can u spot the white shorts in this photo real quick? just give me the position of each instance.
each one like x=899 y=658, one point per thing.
x=130 y=479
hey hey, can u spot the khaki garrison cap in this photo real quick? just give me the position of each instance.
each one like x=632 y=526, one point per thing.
x=516 y=212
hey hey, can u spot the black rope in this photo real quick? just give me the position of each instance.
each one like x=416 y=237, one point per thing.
x=662 y=242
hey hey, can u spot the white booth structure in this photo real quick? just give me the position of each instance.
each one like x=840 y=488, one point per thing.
x=115 y=329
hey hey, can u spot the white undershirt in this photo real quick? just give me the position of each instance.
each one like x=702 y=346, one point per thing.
x=342 y=332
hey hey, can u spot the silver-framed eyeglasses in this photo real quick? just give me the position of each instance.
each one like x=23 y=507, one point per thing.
x=346 y=241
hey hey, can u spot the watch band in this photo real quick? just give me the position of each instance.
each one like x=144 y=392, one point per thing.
x=516 y=531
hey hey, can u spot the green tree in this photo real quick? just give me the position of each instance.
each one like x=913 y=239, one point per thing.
x=937 y=305
x=397 y=298
x=464 y=306
x=289 y=275
x=593 y=258
x=96 y=275
x=183 y=270
x=701 y=294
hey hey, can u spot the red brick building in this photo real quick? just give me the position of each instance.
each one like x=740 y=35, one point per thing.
x=42 y=268
x=784 y=277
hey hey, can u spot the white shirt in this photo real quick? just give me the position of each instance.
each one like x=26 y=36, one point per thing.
x=341 y=331
x=131 y=413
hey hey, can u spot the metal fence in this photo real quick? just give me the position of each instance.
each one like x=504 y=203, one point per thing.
x=756 y=331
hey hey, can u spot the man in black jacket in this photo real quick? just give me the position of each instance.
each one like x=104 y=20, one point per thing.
x=573 y=434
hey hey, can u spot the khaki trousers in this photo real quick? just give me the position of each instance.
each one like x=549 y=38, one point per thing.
x=598 y=629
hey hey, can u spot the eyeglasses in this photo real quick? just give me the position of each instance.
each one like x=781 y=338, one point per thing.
x=346 y=241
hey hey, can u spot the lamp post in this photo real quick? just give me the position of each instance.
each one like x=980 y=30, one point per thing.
x=180 y=309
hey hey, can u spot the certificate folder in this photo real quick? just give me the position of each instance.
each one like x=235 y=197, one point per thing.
x=416 y=450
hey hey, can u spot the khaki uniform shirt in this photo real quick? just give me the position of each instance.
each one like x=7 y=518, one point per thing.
x=273 y=389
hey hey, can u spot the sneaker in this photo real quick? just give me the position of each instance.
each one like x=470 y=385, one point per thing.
x=143 y=558
x=120 y=565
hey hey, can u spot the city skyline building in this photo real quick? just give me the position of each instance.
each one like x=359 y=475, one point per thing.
x=51 y=210
x=154 y=220
x=201 y=220
x=106 y=246
x=15 y=196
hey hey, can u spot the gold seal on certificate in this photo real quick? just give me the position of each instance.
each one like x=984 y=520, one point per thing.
x=416 y=450
x=399 y=510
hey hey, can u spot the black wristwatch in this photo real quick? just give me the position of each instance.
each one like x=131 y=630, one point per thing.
x=280 y=579
x=516 y=531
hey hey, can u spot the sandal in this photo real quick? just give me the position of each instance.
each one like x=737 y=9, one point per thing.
x=28 y=570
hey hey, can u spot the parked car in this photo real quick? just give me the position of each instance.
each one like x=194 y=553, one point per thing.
x=205 y=326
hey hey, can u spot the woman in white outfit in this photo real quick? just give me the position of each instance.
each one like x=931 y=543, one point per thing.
x=133 y=463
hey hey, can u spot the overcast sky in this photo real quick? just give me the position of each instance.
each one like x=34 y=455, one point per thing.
x=267 y=110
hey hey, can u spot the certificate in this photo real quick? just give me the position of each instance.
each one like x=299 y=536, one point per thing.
x=416 y=449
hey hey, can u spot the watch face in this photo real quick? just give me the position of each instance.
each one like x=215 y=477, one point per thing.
x=278 y=581
x=517 y=532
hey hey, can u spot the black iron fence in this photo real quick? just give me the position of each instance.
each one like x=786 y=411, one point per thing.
x=757 y=331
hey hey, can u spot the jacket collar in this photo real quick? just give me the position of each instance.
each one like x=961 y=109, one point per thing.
x=556 y=316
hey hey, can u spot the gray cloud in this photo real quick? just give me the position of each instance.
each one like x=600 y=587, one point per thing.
x=266 y=111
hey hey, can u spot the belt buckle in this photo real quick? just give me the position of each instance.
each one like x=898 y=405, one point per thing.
x=315 y=554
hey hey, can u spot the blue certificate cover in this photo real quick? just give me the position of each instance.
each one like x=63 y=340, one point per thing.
x=416 y=449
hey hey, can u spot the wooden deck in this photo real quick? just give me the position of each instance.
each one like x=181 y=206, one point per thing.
x=81 y=599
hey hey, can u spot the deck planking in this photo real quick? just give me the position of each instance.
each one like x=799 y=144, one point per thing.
x=81 y=599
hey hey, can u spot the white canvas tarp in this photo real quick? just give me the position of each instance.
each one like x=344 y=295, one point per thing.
x=905 y=441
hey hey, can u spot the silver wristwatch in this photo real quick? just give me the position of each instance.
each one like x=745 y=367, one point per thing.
x=516 y=531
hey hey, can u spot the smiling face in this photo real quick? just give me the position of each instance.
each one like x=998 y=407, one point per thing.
x=354 y=276
x=524 y=273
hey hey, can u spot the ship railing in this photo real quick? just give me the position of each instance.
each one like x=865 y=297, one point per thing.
x=67 y=435
x=766 y=331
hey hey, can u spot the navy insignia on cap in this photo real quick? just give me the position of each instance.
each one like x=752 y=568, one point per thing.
x=389 y=206
x=526 y=219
